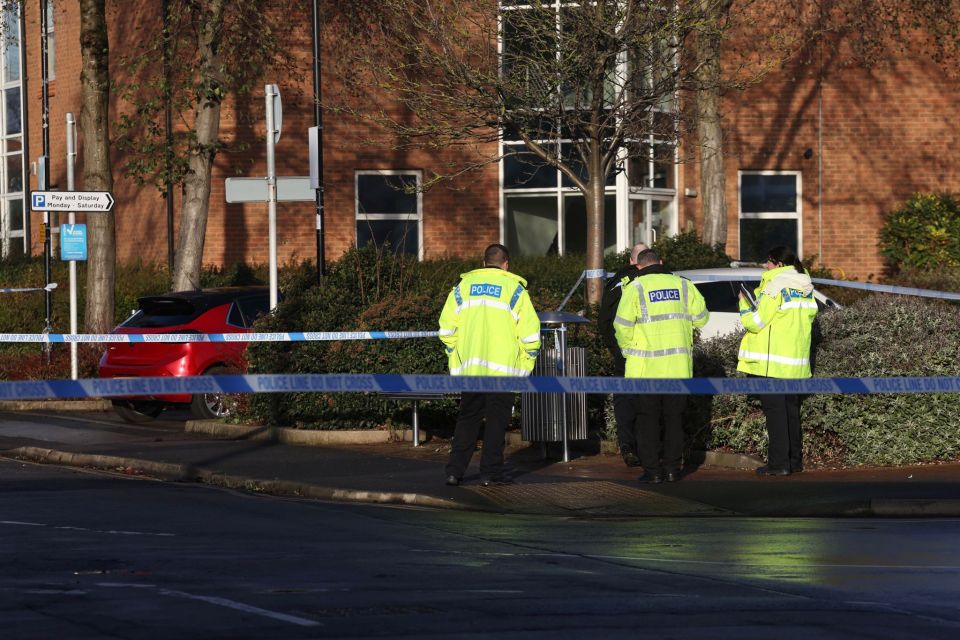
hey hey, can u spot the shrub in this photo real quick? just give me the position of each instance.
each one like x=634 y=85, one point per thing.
x=680 y=252
x=877 y=336
x=939 y=279
x=685 y=251
x=33 y=364
x=924 y=233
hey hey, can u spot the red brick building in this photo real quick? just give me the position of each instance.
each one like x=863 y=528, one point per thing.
x=814 y=157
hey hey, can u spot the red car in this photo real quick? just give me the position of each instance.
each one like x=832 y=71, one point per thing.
x=223 y=310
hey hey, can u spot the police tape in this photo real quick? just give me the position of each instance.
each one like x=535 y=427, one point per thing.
x=293 y=336
x=848 y=284
x=887 y=288
x=435 y=384
x=49 y=287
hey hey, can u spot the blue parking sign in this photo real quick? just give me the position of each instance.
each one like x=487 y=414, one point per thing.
x=73 y=242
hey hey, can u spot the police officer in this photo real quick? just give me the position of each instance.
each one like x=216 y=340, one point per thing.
x=777 y=345
x=654 y=327
x=489 y=328
x=624 y=406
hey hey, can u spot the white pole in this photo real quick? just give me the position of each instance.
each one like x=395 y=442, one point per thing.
x=271 y=91
x=72 y=218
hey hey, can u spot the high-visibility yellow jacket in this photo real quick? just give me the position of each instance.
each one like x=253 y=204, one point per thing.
x=777 y=342
x=489 y=325
x=654 y=324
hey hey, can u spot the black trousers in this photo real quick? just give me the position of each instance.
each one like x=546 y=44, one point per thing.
x=495 y=408
x=785 y=448
x=624 y=410
x=661 y=445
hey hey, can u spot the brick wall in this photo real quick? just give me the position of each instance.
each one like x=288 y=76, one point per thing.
x=458 y=217
x=887 y=133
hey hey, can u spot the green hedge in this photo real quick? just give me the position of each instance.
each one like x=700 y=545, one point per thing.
x=877 y=336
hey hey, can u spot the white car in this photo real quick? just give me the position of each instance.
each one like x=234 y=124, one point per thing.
x=720 y=288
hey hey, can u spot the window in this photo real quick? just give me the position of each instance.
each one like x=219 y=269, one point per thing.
x=253 y=307
x=543 y=213
x=770 y=208
x=389 y=210
x=12 y=211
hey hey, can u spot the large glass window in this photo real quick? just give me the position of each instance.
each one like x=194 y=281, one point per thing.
x=12 y=211
x=770 y=212
x=575 y=224
x=389 y=210
x=543 y=212
x=531 y=225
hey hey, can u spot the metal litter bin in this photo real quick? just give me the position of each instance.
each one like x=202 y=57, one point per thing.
x=556 y=417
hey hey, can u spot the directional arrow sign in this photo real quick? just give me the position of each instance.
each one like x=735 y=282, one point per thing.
x=71 y=200
x=289 y=189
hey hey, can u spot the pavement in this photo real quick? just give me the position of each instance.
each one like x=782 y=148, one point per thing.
x=343 y=467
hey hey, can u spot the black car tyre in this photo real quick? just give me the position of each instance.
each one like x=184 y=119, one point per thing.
x=137 y=411
x=212 y=406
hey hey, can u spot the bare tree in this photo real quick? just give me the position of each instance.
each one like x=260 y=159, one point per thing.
x=709 y=125
x=215 y=48
x=97 y=169
x=585 y=87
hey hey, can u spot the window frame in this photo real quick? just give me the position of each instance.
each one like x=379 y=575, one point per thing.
x=9 y=236
x=379 y=216
x=797 y=214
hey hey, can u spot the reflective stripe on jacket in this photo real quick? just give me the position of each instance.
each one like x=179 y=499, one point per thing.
x=777 y=342
x=654 y=325
x=489 y=326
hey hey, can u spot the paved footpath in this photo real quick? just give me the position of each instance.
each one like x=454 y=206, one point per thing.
x=590 y=485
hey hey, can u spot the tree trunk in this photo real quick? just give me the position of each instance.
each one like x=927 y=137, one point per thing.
x=710 y=129
x=196 y=187
x=596 y=203
x=97 y=170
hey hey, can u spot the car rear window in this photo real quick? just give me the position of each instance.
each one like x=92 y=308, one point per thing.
x=722 y=296
x=719 y=296
x=162 y=312
x=253 y=307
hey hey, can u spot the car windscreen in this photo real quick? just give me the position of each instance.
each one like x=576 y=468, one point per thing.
x=162 y=312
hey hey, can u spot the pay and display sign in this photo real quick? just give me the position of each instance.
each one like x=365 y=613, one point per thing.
x=71 y=200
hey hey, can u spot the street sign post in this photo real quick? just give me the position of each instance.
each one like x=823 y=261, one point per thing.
x=72 y=219
x=272 y=95
x=71 y=201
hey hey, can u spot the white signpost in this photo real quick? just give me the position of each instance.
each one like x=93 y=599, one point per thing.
x=274 y=125
x=72 y=217
x=71 y=200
